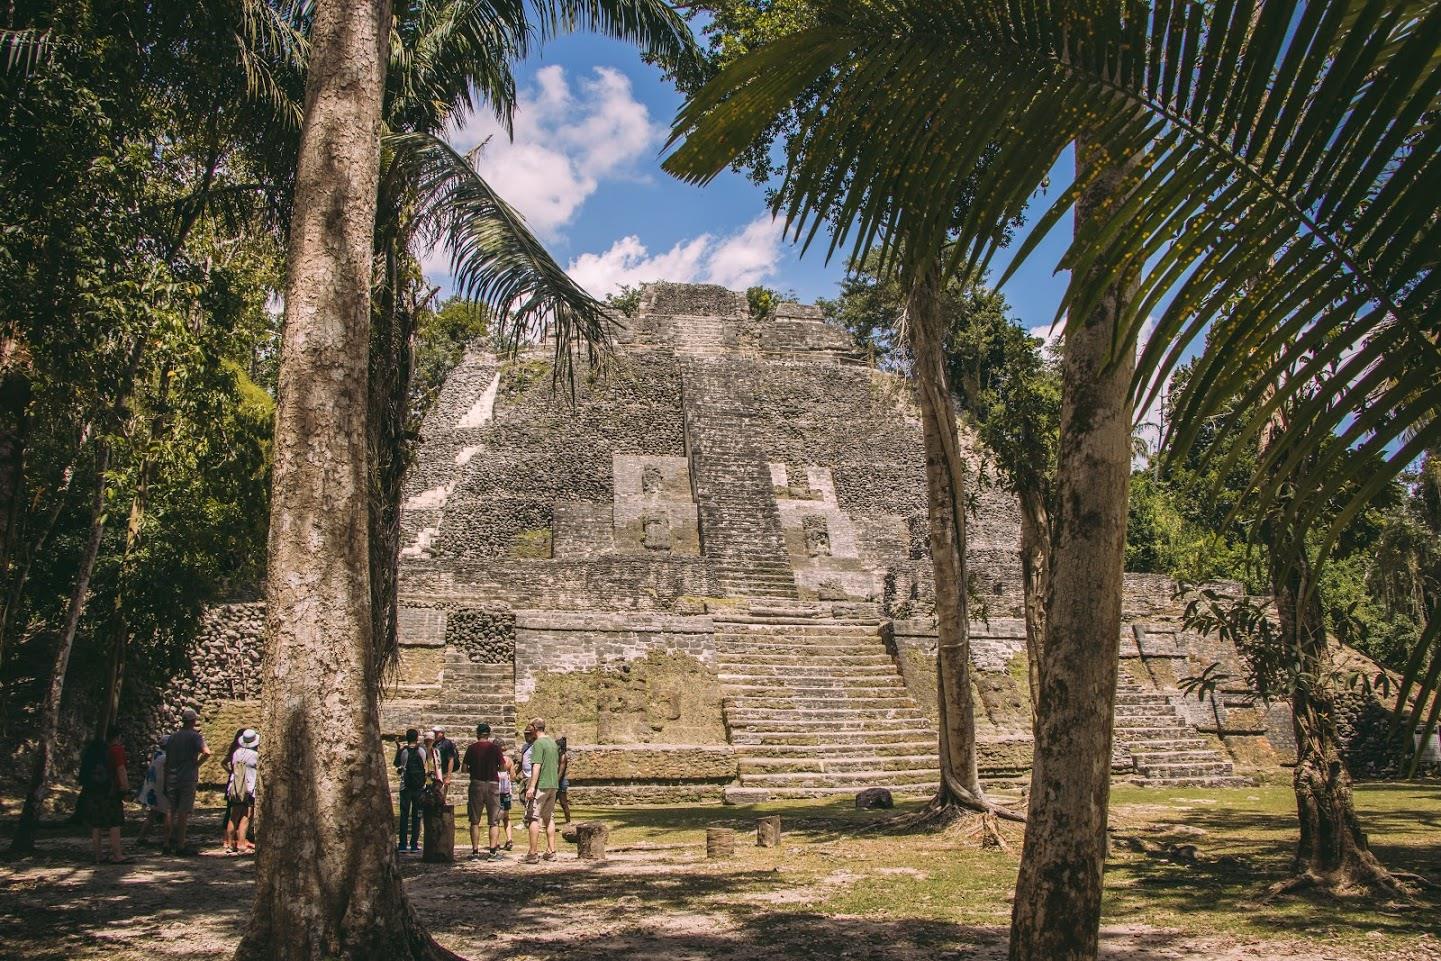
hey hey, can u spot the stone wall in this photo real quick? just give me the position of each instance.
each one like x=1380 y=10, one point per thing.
x=221 y=681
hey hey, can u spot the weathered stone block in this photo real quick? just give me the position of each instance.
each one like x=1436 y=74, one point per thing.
x=652 y=762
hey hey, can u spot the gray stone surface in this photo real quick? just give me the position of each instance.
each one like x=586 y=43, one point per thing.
x=718 y=466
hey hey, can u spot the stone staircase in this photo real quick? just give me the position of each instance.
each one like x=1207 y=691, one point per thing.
x=698 y=336
x=1157 y=745
x=469 y=693
x=815 y=707
x=740 y=525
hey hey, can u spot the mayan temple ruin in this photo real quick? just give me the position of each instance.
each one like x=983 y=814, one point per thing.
x=710 y=572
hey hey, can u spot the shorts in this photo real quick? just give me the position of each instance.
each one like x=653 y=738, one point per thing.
x=181 y=797
x=484 y=796
x=505 y=801
x=235 y=810
x=102 y=810
x=541 y=808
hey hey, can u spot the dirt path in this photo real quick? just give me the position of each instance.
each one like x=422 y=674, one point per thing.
x=661 y=901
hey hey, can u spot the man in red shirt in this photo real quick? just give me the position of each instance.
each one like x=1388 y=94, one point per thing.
x=484 y=760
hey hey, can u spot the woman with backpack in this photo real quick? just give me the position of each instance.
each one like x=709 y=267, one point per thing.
x=225 y=763
x=240 y=792
x=103 y=783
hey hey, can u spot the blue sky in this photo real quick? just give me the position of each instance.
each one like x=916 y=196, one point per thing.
x=584 y=168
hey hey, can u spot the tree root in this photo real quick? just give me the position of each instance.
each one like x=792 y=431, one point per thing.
x=949 y=808
x=1366 y=882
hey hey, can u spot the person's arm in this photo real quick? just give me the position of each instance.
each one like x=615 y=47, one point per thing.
x=535 y=765
x=204 y=749
x=122 y=776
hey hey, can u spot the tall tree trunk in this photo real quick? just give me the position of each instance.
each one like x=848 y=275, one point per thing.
x=390 y=369
x=328 y=884
x=1332 y=852
x=945 y=477
x=23 y=841
x=1035 y=573
x=120 y=622
x=1057 y=911
x=14 y=421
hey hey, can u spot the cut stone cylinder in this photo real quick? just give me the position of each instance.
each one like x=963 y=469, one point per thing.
x=768 y=831
x=720 y=843
x=590 y=838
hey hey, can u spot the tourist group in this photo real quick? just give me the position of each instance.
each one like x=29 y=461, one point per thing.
x=168 y=790
x=428 y=766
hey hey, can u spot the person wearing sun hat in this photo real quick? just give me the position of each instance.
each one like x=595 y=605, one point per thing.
x=240 y=792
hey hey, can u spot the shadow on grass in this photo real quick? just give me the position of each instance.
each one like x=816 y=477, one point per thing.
x=1247 y=849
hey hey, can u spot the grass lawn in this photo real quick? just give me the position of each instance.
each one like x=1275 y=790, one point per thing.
x=1245 y=838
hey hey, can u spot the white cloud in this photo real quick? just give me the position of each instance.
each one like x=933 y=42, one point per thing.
x=1049 y=333
x=568 y=138
x=740 y=260
x=748 y=257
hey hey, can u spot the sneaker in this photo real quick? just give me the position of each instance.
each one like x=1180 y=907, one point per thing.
x=476 y=856
x=549 y=856
x=400 y=849
x=415 y=849
x=531 y=859
x=495 y=855
x=508 y=845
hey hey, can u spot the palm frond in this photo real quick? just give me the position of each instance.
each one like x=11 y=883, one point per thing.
x=451 y=52
x=23 y=50
x=653 y=26
x=273 y=49
x=495 y=260
x=1289 y=164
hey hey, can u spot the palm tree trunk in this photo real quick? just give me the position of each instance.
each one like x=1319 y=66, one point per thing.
x=960 y=778
x=1057 y=911
x=1035 y=572
x=328 y=884
x=23 y=841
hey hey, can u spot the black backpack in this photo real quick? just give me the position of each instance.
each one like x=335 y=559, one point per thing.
x=95 y=769
x=412 y=774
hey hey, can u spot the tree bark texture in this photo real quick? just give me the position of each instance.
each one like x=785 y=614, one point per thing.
x=1331 y=851
x=328 y=885
x=1035 y=573
x=1057 y=910
x=389 y=444
x=960 y=776
x=23 y=841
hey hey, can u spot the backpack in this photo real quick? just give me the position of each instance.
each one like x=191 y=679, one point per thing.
x=95 y=771
x=412 y=773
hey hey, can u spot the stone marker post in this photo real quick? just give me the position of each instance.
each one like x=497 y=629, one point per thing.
x=590 y=838
x=768 y=831
x=720 y=843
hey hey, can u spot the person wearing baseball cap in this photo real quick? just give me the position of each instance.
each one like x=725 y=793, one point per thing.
x=447 y=760
x=186 y=750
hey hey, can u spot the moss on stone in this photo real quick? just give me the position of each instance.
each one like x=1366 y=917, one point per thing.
x=518 y=376
x=219 y=722
x=532 y=542
x=663 y=697
x=918 y=668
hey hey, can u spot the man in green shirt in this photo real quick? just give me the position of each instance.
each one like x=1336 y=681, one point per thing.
x=540 y=792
